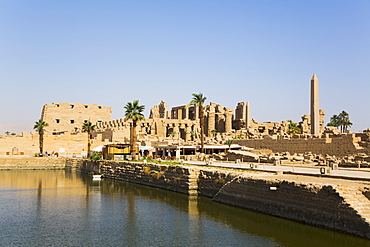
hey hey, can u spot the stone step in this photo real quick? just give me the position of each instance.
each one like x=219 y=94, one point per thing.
x=364 y=215
x=193 y=187
x=363 y=204
x=356 y=200
x=363 y=210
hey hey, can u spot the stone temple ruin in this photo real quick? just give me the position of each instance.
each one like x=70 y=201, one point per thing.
x=180 y=125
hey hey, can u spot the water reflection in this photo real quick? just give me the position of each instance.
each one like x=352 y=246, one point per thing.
x=273 y=228
x=66 y=208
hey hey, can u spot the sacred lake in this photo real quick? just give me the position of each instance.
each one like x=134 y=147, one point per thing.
x=67 y=208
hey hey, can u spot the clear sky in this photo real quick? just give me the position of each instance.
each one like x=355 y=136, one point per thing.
x=113 y=52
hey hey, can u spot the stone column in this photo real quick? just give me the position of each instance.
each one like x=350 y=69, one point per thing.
x=228 y=122
x=173 y=114
x=244 y=111
x=176 y=129
x=211 y=122
x=187 y=132
x=315 y=117
x=179 y=114
x=196 y=108
x=186 y=112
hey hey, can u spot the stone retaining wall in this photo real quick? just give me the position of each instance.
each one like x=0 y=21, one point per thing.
x=31 y=163
x=313 y=204
x=336 y=208
x=174 y=178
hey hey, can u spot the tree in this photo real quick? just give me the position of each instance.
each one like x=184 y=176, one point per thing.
x=88 y=127
x=213 y=132
x=341 y=120
x=334 y=121
x=293 y=128
x=40 y=128
x=229 y=143
x=345 y=123
x=134 y=111
x=198 y=100
x=7 y=133
x=193 y=134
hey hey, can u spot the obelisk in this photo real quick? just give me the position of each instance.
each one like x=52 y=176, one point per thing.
x=247 y=115
x=315 y=117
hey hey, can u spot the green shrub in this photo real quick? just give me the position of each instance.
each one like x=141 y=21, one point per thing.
x=96 y=156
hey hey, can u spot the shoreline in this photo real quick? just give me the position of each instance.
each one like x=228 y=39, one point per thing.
x=336 y=204
x=32 y=163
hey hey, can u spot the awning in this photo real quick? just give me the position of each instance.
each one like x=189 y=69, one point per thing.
x=98 y=149
x=143 y=148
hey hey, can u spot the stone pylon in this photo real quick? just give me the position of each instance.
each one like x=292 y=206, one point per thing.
x=315 y=117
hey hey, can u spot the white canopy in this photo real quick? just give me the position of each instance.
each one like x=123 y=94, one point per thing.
x=98 y=149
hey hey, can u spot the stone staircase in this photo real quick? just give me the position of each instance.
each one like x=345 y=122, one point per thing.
x=357 y=200
x=193 y=182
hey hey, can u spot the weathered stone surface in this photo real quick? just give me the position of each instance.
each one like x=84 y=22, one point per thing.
x=66 y=117
x=341 y=145
x=31 y=163
x=339 y=208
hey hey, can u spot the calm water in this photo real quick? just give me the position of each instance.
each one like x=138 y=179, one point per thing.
x=60 y=208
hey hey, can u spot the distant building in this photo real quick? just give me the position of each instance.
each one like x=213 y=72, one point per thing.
x=69 y=117
x=117 y=152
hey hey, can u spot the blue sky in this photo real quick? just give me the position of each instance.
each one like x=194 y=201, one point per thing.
x=113 y=52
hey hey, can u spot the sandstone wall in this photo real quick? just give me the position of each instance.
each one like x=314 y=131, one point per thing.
x=31 y=163
x=68 y=116
x=19 y=144
x=65 y=145
x=339 y=145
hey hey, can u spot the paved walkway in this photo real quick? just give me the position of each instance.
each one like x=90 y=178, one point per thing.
x=347 y=173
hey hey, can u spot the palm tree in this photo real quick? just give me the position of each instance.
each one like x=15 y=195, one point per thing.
x=198 y=100
x=293 y=128
x=88 y=127
x=344 y=121
x=334 y=121
x=341 y=120
x=40 y=128
x=134 y=111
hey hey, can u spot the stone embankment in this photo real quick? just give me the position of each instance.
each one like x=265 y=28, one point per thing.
x=31 y=163
x=336 y=207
